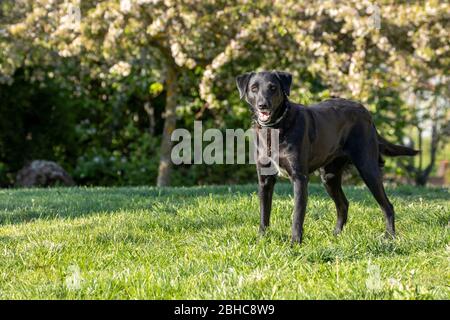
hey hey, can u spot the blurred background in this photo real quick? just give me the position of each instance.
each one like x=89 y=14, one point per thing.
x=90 y=91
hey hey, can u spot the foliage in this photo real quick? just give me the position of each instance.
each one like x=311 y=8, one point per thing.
x=37 y=122
x=166 y=63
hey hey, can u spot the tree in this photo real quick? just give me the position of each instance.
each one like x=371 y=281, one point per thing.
x=432 y=117
x=378 y=54
x=167 y=37
x=354 y=49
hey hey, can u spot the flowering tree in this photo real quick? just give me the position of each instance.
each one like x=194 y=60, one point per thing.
x=356 y=49
x=359 y=50
x=109 y=37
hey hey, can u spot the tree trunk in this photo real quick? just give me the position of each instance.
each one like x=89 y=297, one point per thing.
x=423 y=175
x=151 y=117
x=170 y=119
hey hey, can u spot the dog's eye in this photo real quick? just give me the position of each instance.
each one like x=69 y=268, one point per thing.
x=272 y=88
x=254 y=88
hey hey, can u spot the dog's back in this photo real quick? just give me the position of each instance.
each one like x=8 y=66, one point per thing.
x=339 y=109
x=332 y=121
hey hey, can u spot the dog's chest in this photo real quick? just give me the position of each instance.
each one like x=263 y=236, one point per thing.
x=275 y=153
x=278 y=162
x=282 y=165
x=282 y=172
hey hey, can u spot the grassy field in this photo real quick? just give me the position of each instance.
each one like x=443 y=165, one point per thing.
x=202 y=243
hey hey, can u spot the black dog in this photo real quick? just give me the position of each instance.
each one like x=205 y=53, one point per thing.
x=329 y=135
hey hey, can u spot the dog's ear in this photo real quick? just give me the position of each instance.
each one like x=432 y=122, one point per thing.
x=285 y=81
x=242 y=83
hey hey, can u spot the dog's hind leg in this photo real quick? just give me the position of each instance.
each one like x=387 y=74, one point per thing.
x=331 y=176
x=365 y=157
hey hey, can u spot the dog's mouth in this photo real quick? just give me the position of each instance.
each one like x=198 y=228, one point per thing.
x=264 y=116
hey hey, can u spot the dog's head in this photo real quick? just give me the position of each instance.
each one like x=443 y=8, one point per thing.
x=265 y=92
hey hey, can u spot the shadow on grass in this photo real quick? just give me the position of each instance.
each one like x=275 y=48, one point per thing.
x=25 y=205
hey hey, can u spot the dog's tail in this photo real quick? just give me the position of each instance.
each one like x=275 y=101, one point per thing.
x=393 y=150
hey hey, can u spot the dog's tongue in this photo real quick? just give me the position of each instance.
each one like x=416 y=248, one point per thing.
x=264 y=115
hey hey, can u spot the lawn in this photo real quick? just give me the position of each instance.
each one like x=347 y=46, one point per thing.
x=203 y=243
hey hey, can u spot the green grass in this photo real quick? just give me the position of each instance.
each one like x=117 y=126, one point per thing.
x=202 y=243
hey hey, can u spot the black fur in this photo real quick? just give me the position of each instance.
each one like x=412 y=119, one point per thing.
x=327 y=136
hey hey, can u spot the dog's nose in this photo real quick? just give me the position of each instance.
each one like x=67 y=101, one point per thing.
x=263 y=106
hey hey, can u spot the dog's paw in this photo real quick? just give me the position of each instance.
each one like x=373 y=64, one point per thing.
x=337 y=231
x=296 y=239
x=262 y=231
x=389 y=235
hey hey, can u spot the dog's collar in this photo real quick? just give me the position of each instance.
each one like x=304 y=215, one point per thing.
x=272 y=124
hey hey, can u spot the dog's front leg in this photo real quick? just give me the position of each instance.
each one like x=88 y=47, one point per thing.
x=266 y=186
x=300 y=184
